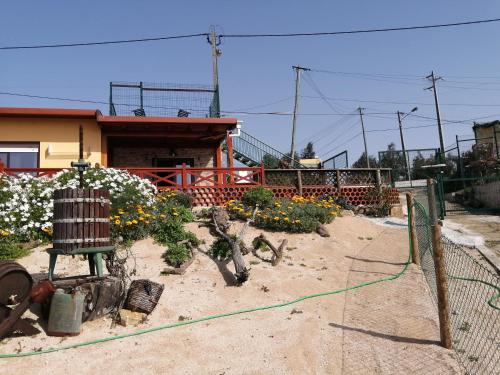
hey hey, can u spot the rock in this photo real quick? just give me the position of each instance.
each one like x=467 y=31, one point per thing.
x=347 y=213
x=322 y=231
x=131 y=318
x=397 y=211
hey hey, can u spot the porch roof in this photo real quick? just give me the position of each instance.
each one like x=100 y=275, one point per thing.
x=171 y=127
x=49 y=112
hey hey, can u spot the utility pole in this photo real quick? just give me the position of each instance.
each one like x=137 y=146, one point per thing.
x=214 y=41
x=403 y=145
x=364 y=136
x=297 y=69
x=433 y=79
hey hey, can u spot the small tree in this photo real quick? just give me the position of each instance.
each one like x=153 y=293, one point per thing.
x=270 y=161
x=308 y=152
x=361 y=162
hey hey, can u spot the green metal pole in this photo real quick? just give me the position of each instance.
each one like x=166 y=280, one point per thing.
x=141 y=94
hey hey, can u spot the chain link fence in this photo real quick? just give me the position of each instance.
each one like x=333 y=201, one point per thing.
x=473 y=292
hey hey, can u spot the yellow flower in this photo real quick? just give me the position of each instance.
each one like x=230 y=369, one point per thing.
x=141 y=219
x=175 y=214
x=297 y=221
x=286 y=219
x=117 y=222
x=134 y=221
x=147 y=222
x=163 y=216
x=276 y=218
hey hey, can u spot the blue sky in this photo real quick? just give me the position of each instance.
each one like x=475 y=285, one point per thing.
x=256 y=72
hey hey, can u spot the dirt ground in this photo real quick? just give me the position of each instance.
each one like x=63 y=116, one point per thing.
x=388 y=328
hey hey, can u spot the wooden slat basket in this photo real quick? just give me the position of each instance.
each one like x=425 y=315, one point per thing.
x=81 y=219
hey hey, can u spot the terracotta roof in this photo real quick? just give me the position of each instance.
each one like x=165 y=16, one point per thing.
x=49 y=112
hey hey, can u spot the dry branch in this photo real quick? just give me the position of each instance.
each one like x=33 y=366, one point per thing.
x=221 y=225
x=277 y=253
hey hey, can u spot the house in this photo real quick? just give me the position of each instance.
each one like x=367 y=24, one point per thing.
x=48 y=138
x=488 y=134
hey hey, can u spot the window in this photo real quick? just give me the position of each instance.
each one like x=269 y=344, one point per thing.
x=19 y=155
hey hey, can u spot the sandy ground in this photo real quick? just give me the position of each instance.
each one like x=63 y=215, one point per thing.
x=386 y=328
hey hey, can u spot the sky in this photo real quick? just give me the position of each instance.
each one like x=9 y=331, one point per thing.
x=381 y=72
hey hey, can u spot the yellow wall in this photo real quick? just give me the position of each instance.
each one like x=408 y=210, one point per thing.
x=60 y=134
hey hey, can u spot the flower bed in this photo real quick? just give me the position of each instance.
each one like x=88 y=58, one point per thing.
x=26 y=208
x=298 y=214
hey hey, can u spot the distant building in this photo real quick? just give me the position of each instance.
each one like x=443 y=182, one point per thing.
x=311 y=163
x=488 y=133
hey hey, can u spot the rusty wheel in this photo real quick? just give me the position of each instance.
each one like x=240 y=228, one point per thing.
x=15 y=283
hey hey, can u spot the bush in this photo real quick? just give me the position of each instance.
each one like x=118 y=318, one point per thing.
x=380 y=201
x=176 y=254
x=258 y=196
x=299 y=214
x=221 y=249
x=10 y=249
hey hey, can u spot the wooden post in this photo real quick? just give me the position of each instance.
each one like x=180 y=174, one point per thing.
x=339 y=184
x=415 y=252
x=2 y=166
x=299 y=181
x=262 y=175
x=378 y=180
x=184 y=176
x=431 y=198
x=442 y=287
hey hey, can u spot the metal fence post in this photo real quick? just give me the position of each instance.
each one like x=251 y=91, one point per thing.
x=442 y=287
x=415 y=252
x=431 y=198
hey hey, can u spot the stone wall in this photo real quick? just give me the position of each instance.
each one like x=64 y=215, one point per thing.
x=488 y=194
x=143 y=156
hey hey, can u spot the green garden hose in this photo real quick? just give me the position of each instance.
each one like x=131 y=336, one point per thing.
x=210 y=317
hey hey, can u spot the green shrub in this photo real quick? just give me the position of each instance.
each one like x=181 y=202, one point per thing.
x=380 y=201
x=183 y=199
x=258 y=196
x=176 y=254
x=298 y=214
x=10 y=250
x=220 y=249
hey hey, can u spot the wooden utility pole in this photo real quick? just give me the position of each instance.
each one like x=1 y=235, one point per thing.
x=403 y=145
x=364 y=136
x=214 y=41
x=433 y=80
x=295 y=109
x=415 y=253
x=442 y=287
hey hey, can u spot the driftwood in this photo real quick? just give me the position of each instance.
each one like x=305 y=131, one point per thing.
x=322 y=231
x=221 y=224
x=277 y=252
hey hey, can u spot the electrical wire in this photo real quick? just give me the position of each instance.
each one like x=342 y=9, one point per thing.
x=278 y=35
x=86 y=44
x=363 y=31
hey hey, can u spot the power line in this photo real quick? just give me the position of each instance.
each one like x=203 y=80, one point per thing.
x=278 y=35
x=87 y=44
x=363 y=31
x=371 y=114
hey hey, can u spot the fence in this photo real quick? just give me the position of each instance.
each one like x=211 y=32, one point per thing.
x=412 y=162
x=162 y=99
x=473 y=295
x=337 y=161
x=212 y=186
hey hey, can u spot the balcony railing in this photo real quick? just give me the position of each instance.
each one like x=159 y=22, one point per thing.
x=187 y=178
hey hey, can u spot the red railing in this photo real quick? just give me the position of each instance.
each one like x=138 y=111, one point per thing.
x=184 y=178
x=194 y=178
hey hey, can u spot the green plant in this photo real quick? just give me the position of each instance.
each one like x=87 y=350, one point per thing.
x=296 y=215
x=221 y=249
x=258 y=196
x=380 y=201
x=10 y=250
x=176 y=254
